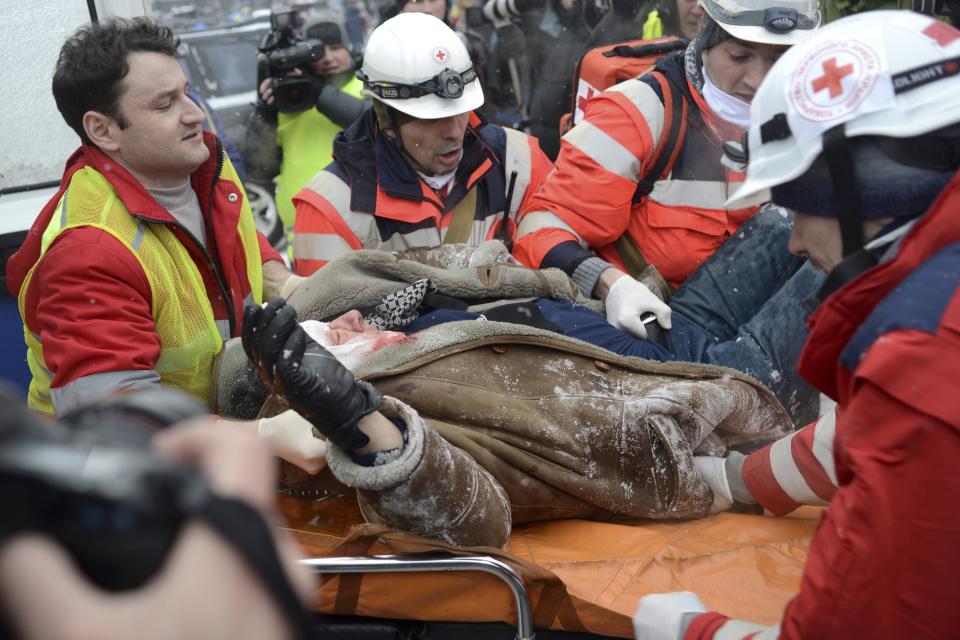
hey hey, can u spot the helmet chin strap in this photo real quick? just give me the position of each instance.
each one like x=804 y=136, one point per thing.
x=394 y=126
x=398 y=142
x=843 y=177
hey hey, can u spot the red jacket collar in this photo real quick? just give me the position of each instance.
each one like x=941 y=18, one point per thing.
x=833 y=325
x=135 y=198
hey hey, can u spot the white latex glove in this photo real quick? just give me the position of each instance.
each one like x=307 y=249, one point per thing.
x=660 y=615
x=292 y=439
x=627 y=300
x=714 y=473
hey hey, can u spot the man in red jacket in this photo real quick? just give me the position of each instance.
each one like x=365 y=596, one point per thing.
x=858 y=131
x=138 y=269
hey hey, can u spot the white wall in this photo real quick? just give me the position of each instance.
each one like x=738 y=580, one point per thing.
x=34 y=141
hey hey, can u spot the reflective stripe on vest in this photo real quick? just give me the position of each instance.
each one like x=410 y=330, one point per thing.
x=182 y=314
x=327 y=246
x=536 y=220
x=671 y=191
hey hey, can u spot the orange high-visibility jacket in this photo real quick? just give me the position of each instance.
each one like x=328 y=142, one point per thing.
x=591 y=198
x=370 y=197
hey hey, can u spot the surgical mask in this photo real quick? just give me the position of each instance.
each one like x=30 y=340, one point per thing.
x=727 y=107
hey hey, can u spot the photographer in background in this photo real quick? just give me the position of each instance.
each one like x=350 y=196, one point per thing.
x=437 y=8
x=646 y=19
x=555 y=47
x=302 y=107
x=500 y=26
x=201 y=588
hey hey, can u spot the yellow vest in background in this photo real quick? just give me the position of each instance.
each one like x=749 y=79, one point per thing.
x=306 y=139
x=652 y=26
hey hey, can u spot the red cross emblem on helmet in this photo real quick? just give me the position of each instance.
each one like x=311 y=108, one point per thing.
x=440 y=55
x=833 y=80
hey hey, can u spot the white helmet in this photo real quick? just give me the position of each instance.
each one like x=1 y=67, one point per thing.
x=879 y=73
x=416 y=64
x=784 y=22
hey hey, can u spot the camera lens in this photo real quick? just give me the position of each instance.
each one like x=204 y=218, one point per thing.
x=294 y=94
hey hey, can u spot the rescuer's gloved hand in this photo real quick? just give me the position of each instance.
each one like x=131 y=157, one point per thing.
x=665 y=616
x=308 y=376
x=714 y=473
x=627 y=300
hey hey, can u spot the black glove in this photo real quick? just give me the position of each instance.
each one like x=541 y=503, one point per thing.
x=511 y=43
x=311 y=379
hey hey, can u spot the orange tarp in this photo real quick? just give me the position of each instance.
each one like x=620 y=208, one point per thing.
x=581 y=575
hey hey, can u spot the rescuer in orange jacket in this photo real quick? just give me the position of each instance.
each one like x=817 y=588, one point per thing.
x=602 y=214
x=419 y=169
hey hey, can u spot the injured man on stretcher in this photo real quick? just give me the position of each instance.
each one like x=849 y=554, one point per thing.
x=474 y=426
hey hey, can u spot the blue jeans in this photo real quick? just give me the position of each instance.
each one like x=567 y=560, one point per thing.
x=744 y=309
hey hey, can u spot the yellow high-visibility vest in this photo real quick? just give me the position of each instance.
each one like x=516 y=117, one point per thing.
x=182 y=313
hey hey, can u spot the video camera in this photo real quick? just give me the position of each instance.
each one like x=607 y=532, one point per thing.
x=281 y=51
x=91 y=482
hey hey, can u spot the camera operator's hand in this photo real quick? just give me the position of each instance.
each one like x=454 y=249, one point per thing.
x=266 y=87
x=511 y=43
x=204 y=589
x=311 y=379
x=266 y=91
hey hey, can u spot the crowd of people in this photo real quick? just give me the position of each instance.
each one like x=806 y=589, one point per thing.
x=760 y=219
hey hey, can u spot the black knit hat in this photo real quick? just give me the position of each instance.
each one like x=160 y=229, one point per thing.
x=888 y=188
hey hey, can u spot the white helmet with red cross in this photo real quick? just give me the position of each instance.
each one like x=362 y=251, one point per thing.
x=779 y=22
x=879 y=73
x=418 y=65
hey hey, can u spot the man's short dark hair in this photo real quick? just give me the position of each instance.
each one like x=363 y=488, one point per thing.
x=93 y=61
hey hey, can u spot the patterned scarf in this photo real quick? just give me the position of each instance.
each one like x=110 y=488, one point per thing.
x=400 y=308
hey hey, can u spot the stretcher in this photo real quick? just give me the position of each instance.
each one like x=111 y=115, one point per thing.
x=569 y=579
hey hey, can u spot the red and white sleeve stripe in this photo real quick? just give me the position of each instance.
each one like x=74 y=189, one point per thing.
x=715 y=626
x=795 y=470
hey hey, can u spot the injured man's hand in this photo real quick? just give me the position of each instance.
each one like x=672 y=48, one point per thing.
x=309 y=377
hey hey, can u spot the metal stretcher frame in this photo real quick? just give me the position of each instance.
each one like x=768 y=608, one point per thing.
x=440 y=562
